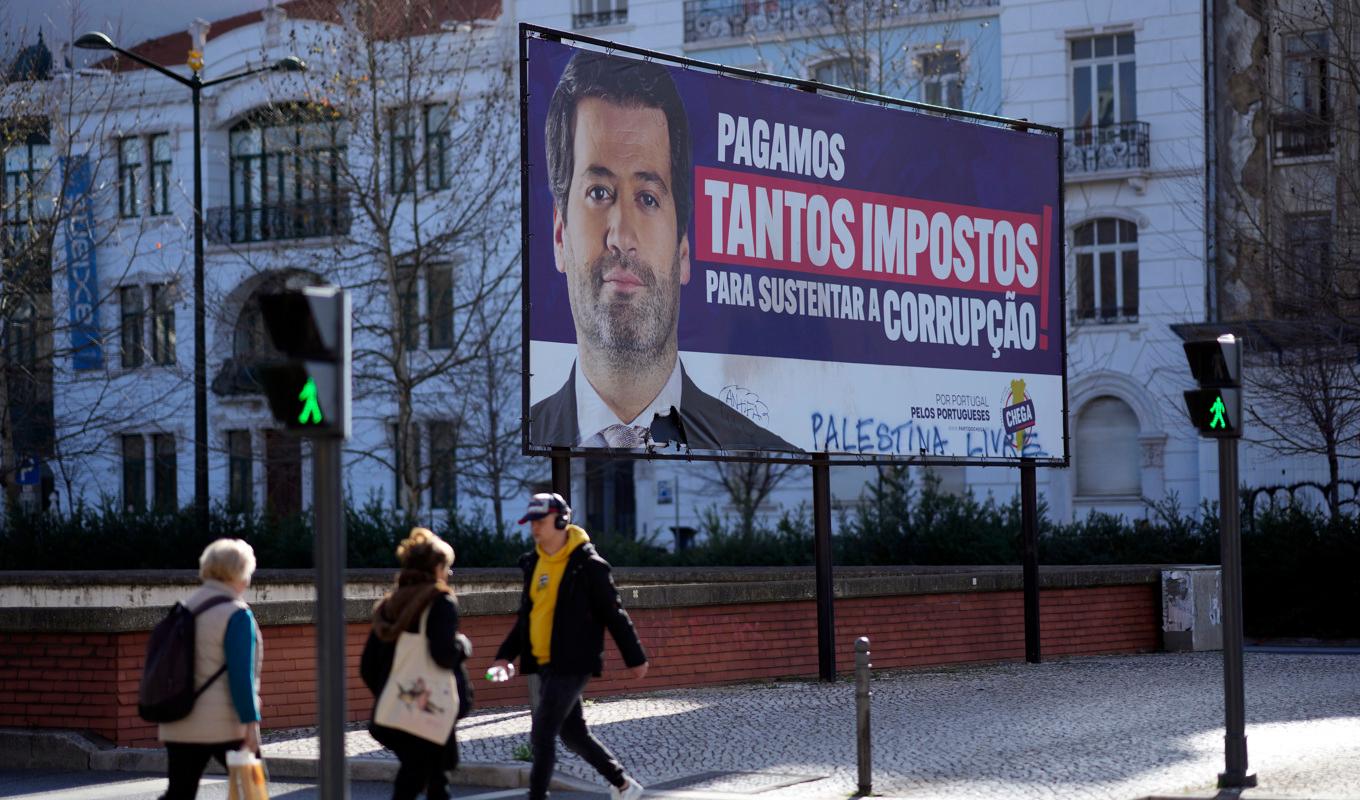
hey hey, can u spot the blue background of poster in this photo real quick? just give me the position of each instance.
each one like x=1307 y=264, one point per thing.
x=888 y=149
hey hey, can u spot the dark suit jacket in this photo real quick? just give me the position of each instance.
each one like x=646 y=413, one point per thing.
x=710 y=424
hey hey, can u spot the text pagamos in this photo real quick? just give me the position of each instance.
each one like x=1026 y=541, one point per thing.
x=786 y=148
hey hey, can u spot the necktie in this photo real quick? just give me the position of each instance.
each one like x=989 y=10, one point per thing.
x=629 y=437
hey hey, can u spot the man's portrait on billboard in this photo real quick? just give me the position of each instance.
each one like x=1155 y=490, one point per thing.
x=621 y=174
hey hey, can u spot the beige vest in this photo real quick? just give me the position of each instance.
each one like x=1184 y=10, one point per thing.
x=214 y=717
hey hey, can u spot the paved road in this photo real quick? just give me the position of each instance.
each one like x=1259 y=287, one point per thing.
x=1106 y=728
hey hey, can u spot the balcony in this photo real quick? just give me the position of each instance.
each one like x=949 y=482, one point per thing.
x=1110 y=148
x=277 y=222
x=1298 y=134
x=726 y=19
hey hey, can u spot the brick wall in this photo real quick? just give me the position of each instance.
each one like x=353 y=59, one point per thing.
x=89 y=681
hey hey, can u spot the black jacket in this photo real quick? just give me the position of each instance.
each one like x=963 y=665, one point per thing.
x=710 y=424
x=587 y=603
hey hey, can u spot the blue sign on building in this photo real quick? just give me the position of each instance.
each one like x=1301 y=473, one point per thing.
x=82 y=274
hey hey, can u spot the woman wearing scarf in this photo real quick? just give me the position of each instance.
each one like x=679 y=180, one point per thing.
x=426 y=562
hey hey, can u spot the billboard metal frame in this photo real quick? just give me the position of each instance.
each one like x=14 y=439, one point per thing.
x=529 y=31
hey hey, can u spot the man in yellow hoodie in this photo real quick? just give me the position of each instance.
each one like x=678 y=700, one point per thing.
x=568 y=600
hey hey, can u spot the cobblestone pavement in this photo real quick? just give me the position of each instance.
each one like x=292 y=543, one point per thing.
x=1107 y=727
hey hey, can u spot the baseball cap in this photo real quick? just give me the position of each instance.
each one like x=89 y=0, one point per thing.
x=543 y=504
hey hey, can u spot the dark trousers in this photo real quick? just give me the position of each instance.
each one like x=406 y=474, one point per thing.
x=423 y=763
x=558 y=713
x=186 y=763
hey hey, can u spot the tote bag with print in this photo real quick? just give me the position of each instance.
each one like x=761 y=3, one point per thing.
x=420 y=697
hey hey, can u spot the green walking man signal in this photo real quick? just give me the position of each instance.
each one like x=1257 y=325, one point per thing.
x=1216 y=409
x=1216 y=406
x=311 y=411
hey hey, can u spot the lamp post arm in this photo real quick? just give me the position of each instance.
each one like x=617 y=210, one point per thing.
x=242 y=74
x=149 y=64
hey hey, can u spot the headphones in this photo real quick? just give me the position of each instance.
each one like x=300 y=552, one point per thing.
x=563 y=518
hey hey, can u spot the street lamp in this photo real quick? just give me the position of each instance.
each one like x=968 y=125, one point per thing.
x=99 y=41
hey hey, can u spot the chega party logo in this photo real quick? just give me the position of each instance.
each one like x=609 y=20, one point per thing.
x=1018 y=413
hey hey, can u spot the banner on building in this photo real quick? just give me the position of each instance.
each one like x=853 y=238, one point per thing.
x=792 y=272
x=77 y=227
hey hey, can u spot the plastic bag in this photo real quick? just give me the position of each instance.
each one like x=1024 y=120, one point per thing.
x=245 y=776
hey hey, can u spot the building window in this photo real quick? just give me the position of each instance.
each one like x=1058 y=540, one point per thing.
x=163 y=472
x=241 y=480
x=438 y=139
x=134 y=320
x=596 y=13
x=443 y=475
x=160 y=174
x=1106 y=251
x=134 y=473
x=1304 y=126
x=439 y=288
x=162 y=323
x=941 y=74
x=129 y=176
x=285 y=169
x=838 y=72
x=402 y=152
x=21 y=334
x=1303 y=284
x=27 y=159
x=1104 y=82
x=408 y=306
x=282 y=473
x=1109 y=459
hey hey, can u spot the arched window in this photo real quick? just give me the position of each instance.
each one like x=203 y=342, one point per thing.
x=249 y=340
x=1107 y=270
x=285 y=170
x=1109 y=459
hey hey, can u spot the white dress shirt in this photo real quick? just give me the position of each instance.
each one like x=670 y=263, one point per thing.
x=593 y=415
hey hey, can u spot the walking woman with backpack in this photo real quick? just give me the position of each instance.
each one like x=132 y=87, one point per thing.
x=227 y=656
x=413 y=665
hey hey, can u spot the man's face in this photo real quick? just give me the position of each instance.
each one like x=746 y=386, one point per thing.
x=617 y=242
x=543 y=530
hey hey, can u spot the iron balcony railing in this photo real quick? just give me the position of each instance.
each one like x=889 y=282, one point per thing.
x=1302 y=135
x=1110 y=147
x=277 y=221
x=725 y=19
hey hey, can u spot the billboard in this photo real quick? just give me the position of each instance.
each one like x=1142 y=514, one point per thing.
x=760 y=271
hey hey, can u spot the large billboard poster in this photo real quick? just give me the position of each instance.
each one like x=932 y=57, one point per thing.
x=793 y=273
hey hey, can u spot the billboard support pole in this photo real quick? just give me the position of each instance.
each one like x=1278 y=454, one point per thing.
x=561 y=473
x=821 y=526
x=1029 y=557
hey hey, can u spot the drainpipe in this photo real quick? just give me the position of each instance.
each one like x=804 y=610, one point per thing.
x=1210 y=165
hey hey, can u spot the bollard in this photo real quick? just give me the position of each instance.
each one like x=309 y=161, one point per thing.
x=862 y=694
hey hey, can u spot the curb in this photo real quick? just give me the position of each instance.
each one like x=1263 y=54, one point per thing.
x=72 y=750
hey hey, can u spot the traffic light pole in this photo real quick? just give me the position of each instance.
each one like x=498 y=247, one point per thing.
x=1230 y=547
x=328 y=511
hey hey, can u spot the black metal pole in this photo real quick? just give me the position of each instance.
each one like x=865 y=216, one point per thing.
x=1029 y=557
x=821 y=526
x=1230 y=548
x=328 y=510
x=863 y=739
x=200 y=337
x=561 y=473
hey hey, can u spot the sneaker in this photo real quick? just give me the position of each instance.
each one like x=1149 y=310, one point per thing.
x=631 y=790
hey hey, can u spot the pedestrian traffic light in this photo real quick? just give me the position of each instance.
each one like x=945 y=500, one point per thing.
x=1216 y=407
x=308 y=391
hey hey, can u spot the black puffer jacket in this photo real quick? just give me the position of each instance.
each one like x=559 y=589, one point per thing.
x=587 y=603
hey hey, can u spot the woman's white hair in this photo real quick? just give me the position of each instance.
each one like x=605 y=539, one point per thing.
x=227 y=560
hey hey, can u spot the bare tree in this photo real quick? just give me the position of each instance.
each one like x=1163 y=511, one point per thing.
x=1288 y=221
x=747 y=485
x=414 y=175
x=55 y=121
